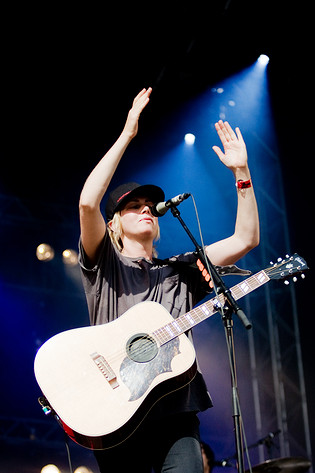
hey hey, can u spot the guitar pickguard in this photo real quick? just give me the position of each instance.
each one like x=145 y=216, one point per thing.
x=138 y=376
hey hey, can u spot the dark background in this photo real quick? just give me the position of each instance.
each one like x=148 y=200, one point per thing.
x=69 y=75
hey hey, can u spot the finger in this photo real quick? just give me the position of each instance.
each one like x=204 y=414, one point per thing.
x=139 y=95
x=229 y=131
x=239 y=134
x=142 y=93
x=142 y=100
x=224 y=131
x=218 y=151
x=146 y=97
x=221 y=134
x=145 y=93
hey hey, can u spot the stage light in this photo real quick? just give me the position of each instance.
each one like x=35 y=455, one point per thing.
x=45 y=252
x=82 y=469
x=189 y=139
x=70 y=257
x=263 y=59
x=50 y=469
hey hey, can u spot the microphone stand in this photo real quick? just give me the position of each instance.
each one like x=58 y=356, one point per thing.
x=268 y=442
x=227 y=310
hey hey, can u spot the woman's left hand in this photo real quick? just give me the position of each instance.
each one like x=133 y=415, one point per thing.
x=235 y=155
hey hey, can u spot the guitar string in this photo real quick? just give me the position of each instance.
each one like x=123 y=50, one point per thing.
x=141 y=347
x=162 y=339
x=236 y=289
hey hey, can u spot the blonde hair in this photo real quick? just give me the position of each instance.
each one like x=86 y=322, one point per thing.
x=115 y=231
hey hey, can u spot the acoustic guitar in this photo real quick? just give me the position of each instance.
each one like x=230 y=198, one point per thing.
x=101 y=381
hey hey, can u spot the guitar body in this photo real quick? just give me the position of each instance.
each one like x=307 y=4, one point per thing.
x=101 y=381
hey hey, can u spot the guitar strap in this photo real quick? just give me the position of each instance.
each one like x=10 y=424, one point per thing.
x=229 y=270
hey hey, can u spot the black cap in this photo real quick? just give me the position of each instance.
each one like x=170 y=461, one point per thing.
x=123 y=193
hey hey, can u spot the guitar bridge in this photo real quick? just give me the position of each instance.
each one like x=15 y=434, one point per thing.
x=105 y=369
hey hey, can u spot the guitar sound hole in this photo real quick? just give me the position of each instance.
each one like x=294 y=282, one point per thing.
x=142 y=348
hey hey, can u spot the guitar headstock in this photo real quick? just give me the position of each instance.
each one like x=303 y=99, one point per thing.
x=287 y=268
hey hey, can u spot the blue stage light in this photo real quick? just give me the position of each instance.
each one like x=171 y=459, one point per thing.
x=189 y=139
x=263 y=59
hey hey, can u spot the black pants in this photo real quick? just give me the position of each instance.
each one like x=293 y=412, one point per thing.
x=168 y=445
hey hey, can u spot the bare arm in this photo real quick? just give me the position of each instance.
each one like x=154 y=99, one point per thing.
x=91 y=219
x=246 y=234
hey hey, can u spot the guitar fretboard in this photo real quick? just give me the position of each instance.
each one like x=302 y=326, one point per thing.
x=207 y=309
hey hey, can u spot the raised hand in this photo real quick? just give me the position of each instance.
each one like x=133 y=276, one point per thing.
x=139 y=103
x=235 y=154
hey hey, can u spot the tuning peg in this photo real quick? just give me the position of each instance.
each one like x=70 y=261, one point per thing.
x=294 y=279
x=303 y=276
x=286 y=282
x=287 y=256
x=279 y=260
x=271 y=262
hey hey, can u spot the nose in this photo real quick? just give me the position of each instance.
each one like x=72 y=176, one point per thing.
x=146 y=209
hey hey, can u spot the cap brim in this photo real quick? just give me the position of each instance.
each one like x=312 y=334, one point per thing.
x=119 y=197
x=155 y=193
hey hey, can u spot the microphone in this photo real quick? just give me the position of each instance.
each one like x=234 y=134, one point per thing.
x=268 y=439
x=160 y=209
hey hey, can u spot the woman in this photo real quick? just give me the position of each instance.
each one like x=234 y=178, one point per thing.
x=119 y=270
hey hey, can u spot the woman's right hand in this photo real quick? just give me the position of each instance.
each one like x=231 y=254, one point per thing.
x=139 y=103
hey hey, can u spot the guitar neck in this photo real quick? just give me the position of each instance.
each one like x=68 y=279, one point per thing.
x=204 y=311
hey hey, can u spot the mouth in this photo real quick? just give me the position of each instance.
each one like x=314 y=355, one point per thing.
x=146 y=219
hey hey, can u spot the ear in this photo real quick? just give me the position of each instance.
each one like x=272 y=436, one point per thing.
x=112 y=226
